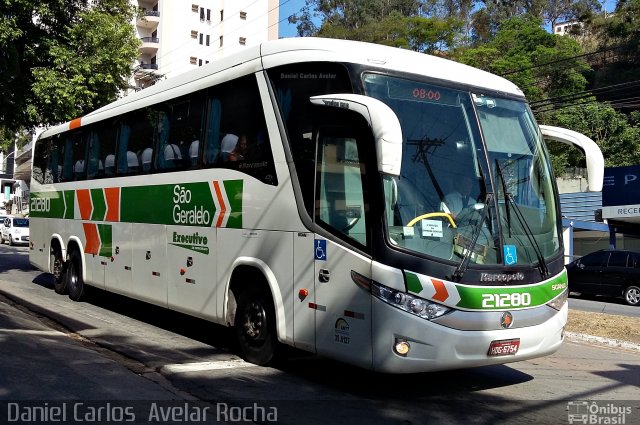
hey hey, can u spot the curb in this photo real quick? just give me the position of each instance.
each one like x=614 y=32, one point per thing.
x=609 y=342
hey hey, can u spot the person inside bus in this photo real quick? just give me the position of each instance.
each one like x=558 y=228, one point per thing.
x=240 y=151
x=461 y=197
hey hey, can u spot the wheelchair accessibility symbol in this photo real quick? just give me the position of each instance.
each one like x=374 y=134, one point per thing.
x=320 y=249
x=510 y=255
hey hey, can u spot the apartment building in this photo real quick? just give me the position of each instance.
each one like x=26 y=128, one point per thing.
x=179 y=35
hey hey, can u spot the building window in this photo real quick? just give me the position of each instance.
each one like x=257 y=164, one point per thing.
x=208 y=14
x=194 y=33
x=194 y=8
x=222 y=15
x=243 y=15
x=243 y=40
x=201 y=38
x=221 y=41
x=202 y=13
x=208 y=39
x=193 y=60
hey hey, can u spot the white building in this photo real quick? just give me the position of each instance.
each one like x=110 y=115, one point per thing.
x=178 y=36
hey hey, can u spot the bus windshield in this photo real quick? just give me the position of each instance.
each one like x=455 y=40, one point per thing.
x=475 y=181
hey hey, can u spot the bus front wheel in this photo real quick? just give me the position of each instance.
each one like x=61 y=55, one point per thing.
x=254 y=326
x=75 y=285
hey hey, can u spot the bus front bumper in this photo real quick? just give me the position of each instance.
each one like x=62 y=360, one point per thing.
x=435 y=347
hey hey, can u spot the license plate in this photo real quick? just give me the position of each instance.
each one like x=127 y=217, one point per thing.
x=505 y=347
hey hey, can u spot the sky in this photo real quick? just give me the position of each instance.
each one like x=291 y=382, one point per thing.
x=290 y=7
x=287 y=8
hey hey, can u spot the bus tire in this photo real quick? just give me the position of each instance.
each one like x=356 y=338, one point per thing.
x=59 y=278
x=632 y=295
x=75 y=285
x=255 y=326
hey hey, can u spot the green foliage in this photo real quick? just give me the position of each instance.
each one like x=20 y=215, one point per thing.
x=397 y=23
x=62 y=59
x=541 y=64
x=617 y=135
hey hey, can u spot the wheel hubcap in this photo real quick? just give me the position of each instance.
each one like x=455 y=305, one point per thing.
x=633 y=296
x=254 y=321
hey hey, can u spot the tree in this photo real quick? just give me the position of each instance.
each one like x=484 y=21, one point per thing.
x=398 y=23
x=60 y=59
x=617 y=135
x=541 y=64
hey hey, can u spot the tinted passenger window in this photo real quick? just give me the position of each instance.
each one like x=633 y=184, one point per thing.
x=236 y=135
x=618 y=259
x=594 y=260
x=293 y=86
x=180 y=133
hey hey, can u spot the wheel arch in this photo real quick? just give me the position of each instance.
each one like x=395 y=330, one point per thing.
x=245 y=267
x=56 y=240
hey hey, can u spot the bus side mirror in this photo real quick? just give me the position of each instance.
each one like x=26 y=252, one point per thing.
x=595 y=160
x=382 y=120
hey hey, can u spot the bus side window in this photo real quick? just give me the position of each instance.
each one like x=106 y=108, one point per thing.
x=234 y=110
x=41 y=161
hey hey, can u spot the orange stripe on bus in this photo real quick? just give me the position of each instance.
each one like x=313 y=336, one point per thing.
x=92 y=244
x=75 y=123
x=84 y=202
x=112 y=195
x=223 y=207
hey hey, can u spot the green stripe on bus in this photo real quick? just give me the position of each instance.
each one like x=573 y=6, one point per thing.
x=99 y=205
x=511 y=297
x=70 y=202
x=413 y=283
x=234 y=194
x=106 y=237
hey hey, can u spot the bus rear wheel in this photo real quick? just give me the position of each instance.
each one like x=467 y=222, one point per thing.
x=75 y=284
x=57 y=268
x=254 y=326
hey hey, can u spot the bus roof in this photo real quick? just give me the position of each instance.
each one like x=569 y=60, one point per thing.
x=292 y=50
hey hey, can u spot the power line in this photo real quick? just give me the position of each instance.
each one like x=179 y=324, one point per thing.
x=600 y=90
x=571 y=58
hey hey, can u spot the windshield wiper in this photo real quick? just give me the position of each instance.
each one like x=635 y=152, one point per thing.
x=462 y=266
x=508 y=197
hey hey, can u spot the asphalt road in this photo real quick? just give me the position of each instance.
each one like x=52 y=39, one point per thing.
x=121 y=349
x=607 y=305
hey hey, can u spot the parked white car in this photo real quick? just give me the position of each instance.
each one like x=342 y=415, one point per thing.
x=15 y=230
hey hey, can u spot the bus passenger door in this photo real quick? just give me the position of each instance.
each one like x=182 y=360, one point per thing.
x=343 y=309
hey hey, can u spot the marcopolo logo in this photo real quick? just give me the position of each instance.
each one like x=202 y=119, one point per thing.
x=192 y=241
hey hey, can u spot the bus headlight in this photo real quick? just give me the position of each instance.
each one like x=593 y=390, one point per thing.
x=558 y=302
x=414 y=305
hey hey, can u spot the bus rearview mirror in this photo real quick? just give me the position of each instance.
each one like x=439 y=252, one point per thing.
x=383 y=122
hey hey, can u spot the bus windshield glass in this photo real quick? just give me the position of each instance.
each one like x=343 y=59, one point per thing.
x=456 y=199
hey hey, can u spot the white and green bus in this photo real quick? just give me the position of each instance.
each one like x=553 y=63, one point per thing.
x=303 y=193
